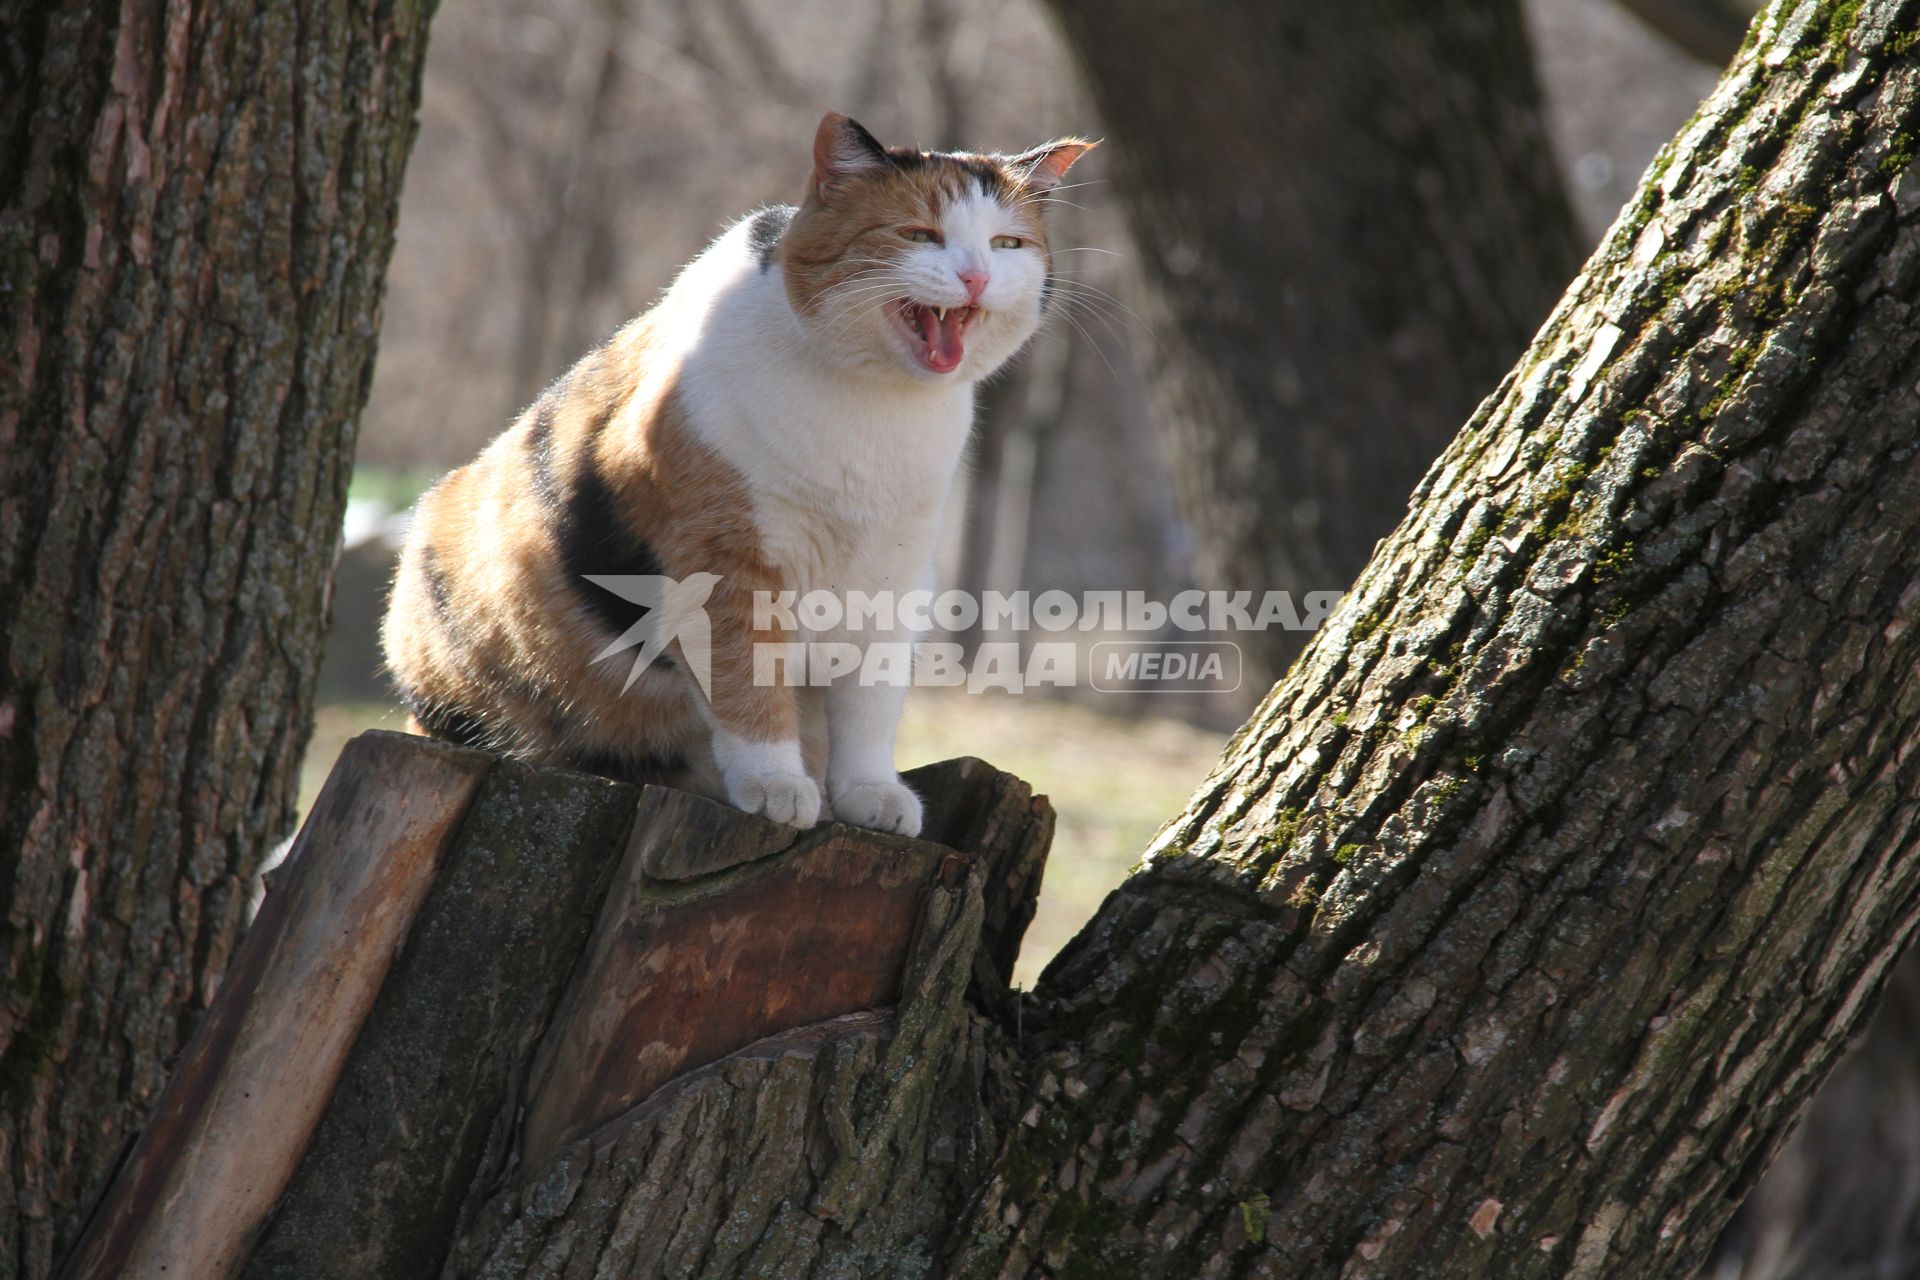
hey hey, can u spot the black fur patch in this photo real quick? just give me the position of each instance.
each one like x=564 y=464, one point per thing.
x=449 y=724
x=594 y=539
x=764 y=232
x=630 y=767
x=440 y=593
x=993 y=180
x=546 y=485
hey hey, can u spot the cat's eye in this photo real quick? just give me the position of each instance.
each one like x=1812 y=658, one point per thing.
x=1008 y=242
x=922 y=235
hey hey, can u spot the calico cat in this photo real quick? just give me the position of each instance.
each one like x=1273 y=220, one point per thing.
x=789 y=417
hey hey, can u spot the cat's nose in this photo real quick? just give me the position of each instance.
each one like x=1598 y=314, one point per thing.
x=975 y=282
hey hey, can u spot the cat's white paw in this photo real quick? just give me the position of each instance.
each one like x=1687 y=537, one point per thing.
x=792 y=798
x=886 y=805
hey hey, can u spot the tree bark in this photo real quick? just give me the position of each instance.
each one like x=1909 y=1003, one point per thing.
x=1348 y=221
x=1842 y=1202
x=1515 y=928
x=196 y=210
x=467 y=971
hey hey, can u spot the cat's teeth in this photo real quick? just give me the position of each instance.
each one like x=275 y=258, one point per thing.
x=941 y=312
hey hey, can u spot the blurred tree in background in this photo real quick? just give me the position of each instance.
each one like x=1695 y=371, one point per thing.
x=1350 y=220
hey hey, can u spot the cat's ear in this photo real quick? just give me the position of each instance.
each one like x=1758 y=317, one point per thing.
x=840 y=148
x=1042 y=168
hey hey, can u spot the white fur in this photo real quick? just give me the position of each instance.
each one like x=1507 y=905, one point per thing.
x=849 y=449
x=767 y=778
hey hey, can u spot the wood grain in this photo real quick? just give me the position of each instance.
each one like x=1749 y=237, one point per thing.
x=680 y=973
x=235 y=1118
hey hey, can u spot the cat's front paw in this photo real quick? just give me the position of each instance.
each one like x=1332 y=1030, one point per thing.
x=792 y=798
x=885 y=805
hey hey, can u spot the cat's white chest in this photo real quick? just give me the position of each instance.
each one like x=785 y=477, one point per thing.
x=858 y=511
x=849 y=478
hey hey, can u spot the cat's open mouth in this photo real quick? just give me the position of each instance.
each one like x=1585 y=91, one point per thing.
x=937 y=336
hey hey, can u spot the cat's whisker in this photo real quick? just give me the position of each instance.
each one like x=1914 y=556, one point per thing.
x=1119 y=320
x=1086 y=337
x=1071 y=284
x=1057 y=200
x=1105 y=307
x=1071 y=186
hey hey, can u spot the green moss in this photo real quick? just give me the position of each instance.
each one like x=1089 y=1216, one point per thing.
x=1286 y=829
x=1421 y=707
x=1368 y=623
x=1738 y=361
x=1253 y=1218
x=1648 y=202
x=1304 y=897
x=1023 y=1171
x=1841 y=19
x=1476 y=541
x=1090 y=1231
x=1614 y=564
x=1900 y=159
x=1571 y=477
x=1340 y=719
x=1345 y=853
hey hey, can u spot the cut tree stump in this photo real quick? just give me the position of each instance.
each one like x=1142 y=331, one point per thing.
x=470 y=972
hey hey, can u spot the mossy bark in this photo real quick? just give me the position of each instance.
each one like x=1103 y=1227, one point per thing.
x=196 y=210
x=1349 y=221
x=1516 y=927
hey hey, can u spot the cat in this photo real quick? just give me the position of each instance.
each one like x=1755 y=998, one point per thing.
x=789 y=417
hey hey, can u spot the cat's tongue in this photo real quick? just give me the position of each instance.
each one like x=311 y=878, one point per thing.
x=945 y=339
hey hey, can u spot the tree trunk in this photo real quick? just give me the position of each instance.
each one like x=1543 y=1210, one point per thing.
x=1843 y=1200
x=1349 y=222
x=468 y=969
x=1515 y=928
x=196 y=210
